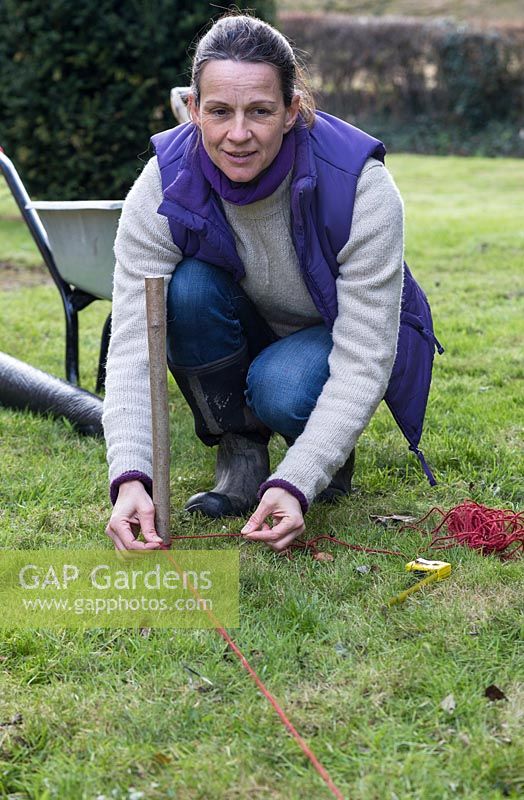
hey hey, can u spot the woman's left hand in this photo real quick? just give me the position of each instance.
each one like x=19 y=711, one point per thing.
x=286 y=514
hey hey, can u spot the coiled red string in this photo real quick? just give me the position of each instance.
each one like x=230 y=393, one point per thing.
x=489 y=530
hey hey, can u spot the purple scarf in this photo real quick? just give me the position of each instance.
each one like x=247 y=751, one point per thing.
x=261 y=187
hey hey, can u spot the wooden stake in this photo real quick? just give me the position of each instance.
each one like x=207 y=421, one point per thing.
x=156 y=337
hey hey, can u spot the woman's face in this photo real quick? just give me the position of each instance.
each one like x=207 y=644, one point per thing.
x=242 y=116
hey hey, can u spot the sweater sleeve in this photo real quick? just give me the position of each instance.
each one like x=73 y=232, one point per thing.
x=143 y=246
x=365 y=334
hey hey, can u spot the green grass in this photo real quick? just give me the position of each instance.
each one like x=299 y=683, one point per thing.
x=112 y=712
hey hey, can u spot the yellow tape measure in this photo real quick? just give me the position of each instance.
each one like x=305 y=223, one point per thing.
x=433 y=570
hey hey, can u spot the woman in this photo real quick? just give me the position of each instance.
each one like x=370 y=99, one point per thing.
x=283 y=234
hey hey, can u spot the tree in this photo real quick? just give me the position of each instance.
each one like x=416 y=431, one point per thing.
x=85 y=84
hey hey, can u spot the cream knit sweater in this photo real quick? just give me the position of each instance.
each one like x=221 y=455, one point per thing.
x=364 y=335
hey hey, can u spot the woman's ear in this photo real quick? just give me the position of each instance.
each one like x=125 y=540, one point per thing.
x=193 y=109
x=292 y=113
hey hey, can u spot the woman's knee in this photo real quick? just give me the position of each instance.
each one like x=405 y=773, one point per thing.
x=282 y=393
x=196 y=291
x=286 y=418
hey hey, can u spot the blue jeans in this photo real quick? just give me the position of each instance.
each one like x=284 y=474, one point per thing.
x=210 y=318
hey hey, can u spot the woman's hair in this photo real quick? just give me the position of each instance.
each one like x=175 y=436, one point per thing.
x=242 y=38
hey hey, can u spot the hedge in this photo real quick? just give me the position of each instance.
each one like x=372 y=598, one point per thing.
x=84 y=85
x=437 y=79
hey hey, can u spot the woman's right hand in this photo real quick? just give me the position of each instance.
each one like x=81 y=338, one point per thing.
x=133 y=513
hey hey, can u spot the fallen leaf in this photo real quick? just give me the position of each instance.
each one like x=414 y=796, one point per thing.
x=464 y=739
x=203 y=688
x=15 y=720
x=391 y=518
x=207 y=686
x=323 y=557
x=161 y=758
x=145 y=632
x=493 y=693
x=365 y=568
x=448 y=704
x=3 y=658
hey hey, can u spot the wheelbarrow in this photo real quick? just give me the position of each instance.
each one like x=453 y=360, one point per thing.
x=75 y=239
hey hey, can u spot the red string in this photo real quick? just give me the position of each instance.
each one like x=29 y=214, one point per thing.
x=298 y=544
x=322 y=771
x=288 y=724
x=486 y=529
x=489 y=530
x=311 y=546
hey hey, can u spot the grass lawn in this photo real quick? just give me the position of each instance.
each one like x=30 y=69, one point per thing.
x=111 y=713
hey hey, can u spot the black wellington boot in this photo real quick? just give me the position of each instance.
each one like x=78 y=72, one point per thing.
x=215 y=394
x=241 y=466
x=340 y=485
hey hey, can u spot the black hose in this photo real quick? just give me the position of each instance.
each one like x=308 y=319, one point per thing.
x=26 y=388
